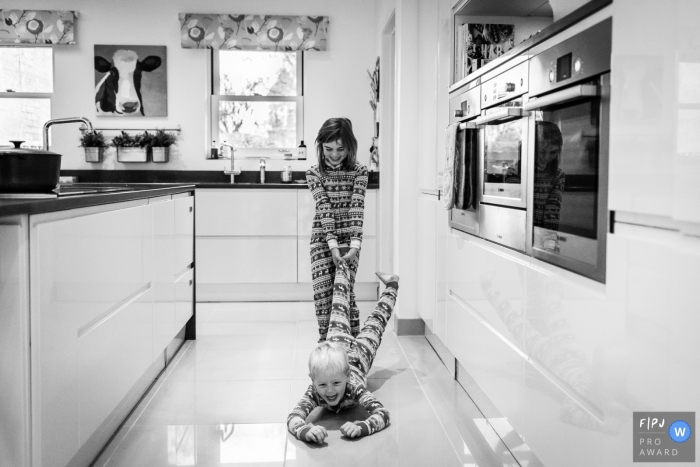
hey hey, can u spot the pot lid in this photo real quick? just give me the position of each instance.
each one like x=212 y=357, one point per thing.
x=19 y=150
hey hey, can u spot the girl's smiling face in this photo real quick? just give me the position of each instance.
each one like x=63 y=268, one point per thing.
x=331 y=387
x=335 y=153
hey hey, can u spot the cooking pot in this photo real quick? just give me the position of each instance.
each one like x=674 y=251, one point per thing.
x=287 y=174
x=28 y=170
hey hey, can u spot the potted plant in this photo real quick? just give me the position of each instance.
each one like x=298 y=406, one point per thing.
x=94 y=144
x=159 y=145
x=131 y=148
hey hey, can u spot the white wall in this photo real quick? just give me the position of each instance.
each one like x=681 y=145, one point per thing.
x=336 y=81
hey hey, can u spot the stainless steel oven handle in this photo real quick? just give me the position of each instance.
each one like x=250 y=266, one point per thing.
x=568 y=94
x=505 y=112
x=467 y=126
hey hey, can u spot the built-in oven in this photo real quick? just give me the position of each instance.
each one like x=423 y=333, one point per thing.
x=503 y=156
x=465 y=107
x=570 y=100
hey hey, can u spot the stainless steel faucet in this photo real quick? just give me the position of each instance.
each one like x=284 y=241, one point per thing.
x=55 y=121
x=262 y=170
x=232 y=169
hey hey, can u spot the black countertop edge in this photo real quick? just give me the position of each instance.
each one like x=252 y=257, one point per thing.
x=9 y=207
x=200 y=178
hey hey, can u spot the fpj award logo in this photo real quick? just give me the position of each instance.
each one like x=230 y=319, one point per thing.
x=664 y=437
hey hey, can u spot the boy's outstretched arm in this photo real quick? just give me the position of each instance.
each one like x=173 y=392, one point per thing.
x=296 y=420
x=379 y=416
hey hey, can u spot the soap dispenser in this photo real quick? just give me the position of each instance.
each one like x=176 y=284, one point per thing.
x=302 y=151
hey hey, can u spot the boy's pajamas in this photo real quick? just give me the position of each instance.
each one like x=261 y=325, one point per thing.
x=339 y=196
x=361 y=351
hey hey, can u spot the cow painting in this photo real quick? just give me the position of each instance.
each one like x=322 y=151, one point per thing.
x=127 y=85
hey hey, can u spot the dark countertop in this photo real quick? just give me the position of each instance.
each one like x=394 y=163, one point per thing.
x=10 y=207
x=199 y=178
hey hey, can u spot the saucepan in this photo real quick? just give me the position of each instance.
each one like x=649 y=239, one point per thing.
x=28 y=170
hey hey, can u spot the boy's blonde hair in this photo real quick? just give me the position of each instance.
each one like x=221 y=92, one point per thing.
x=328 y=358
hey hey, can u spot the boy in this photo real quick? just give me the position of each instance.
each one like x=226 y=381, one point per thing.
x=338 y=367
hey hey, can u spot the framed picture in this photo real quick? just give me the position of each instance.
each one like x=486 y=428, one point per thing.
x=131 y=81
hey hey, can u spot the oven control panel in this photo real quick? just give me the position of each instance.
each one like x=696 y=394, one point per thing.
x=506 y=86
x=465 y=105
x=578 y=58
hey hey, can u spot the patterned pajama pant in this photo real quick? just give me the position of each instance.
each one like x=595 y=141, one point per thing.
x=363 y=348
x=322 y=275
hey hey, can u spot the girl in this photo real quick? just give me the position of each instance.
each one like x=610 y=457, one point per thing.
x=338 y=184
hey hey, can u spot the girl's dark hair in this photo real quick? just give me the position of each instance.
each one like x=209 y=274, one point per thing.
x=332 y=130
x=549 y=132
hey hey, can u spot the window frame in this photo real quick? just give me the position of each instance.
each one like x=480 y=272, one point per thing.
x=215 y=98
x=4 y=94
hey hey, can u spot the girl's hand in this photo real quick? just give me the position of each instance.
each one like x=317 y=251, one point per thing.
x=350 y=430
x=337 y=259
x=350 y=256
x=317 y=434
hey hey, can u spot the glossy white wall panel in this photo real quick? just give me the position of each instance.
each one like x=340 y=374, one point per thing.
x=427 y=96
x=14 y=342
x=111 y=358
x=184 y=228
x=494 y=366
x=222 y=260
x=307 y=208
x=164 y=270
x=426 y=259
x=183 y=299
x=442 y=233
x=265 y=212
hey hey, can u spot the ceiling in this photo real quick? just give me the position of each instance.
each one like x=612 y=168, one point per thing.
x=507 y=8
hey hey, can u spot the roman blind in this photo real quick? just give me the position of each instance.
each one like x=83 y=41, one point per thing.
x=37 y=27
x=253 y=32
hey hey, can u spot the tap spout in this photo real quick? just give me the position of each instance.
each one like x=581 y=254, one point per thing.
x=232 y=170
x=56 y=121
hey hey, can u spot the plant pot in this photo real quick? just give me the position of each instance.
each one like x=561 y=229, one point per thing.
x=132 y=155
x=160 y=154
x=94 y=154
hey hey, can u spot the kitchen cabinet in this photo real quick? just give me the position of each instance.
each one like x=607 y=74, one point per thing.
x=248 y=239
x=426 y=260
x=95 y=291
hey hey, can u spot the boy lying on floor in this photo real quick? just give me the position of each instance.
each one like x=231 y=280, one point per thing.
x=338 y=367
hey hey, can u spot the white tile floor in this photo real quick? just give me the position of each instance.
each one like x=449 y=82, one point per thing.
x=225 y=398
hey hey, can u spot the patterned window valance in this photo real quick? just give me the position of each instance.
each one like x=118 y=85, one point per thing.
x=253 y=32
x=37 y=27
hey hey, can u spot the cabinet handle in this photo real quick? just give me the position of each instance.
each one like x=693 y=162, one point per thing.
x=190 y=281
x=190 y=208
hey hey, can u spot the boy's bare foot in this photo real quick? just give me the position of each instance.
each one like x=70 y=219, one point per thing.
x=386 y=278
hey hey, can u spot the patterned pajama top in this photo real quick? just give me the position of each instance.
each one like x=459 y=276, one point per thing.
x=340 y=204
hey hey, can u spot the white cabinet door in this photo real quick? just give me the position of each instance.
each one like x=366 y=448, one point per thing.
x=425 y=260
x=231 y=212
x=183 y=299
x=442 y=233
x=184 y=228
x=92 y=273
x=164 y=269
x=307 y=208
x=246 y=260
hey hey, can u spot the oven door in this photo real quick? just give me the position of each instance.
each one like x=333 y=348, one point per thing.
x=503 y=155
x=568 y=208
x=464 y=215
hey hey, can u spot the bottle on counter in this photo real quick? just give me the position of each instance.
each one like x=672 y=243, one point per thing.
x=301 y=154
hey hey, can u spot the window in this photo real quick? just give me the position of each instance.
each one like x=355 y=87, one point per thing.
x=257 y=100
x=26 y=85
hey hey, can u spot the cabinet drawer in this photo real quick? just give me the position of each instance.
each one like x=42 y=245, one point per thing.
x=307 y=208
x=226 y=260
x=183 y=299
x=184 y=233
x=264 y=212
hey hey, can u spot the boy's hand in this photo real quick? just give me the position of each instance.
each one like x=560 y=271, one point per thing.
x=317 y=434
x=295 y=422
x=335 y=252
x=350 y=430
x=350 y=255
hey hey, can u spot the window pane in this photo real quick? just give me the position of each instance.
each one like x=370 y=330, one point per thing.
x=26 y=69
x=22 y=119
x=251 y=124
x=243 y=73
